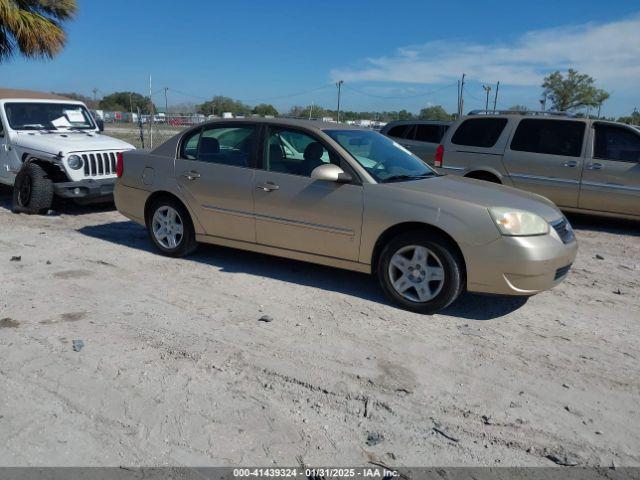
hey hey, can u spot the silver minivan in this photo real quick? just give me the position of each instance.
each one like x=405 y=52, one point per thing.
x=581 y=164
x=421 y=137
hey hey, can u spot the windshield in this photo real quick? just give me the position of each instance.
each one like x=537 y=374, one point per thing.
x=48 y=116
x=384 y=159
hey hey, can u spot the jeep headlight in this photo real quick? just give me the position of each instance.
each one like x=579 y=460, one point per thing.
x=74 y=162
x=514 y=222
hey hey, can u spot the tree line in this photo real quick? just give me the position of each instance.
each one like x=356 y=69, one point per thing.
x=573 y=92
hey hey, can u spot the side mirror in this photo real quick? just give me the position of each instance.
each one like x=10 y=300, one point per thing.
x=330 y=173
x=100 y=124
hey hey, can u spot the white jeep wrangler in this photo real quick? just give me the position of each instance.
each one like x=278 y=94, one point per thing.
x=50 y=146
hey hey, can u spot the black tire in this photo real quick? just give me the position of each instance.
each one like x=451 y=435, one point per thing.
x=186 y=243
x=33 y=190
x=442 y=255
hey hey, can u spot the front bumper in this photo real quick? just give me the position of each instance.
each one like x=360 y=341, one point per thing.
x=86 y=189
x=519 y=265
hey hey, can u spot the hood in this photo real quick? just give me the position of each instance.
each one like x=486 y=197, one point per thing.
x=483 y=193
x=68 y=142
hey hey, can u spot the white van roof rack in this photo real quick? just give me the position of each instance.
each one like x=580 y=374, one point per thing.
x=521 y=112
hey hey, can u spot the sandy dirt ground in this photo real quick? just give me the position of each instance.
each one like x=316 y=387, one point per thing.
x=177 y=368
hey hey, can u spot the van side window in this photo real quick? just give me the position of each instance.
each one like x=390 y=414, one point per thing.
x=552 y=137
x=429 y=133
x=399 y=131
x=479 y=132
x=616 y=143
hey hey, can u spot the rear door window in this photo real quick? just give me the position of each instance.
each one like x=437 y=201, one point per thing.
x=399 y=131
x=479 y=132
x=428 y=133
x=616 y=143
x=552 y=137
x=189 y=149
x=233 y=146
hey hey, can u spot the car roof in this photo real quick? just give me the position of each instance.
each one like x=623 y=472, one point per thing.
x=13 y=93
x=289 y=122
x=548 y=115
x=418 y=122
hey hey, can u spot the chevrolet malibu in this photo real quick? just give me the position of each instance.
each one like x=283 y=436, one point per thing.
x=348 y=198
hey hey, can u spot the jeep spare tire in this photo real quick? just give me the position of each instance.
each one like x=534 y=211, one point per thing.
x=33 y=190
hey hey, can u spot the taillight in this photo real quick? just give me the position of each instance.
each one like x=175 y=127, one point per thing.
x=119 y=164
x=439 y=156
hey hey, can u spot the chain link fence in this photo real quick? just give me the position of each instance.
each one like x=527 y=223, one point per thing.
x=146 y=131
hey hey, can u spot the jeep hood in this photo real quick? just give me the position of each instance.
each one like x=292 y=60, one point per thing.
x=482 y=193
x=68 y=142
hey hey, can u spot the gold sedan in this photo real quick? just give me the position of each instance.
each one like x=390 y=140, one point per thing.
x=349 y=198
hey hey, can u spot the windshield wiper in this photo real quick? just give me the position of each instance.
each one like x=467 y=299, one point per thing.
x=396 y=178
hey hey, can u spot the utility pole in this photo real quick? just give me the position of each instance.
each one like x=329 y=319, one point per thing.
x=150 y=115
x=310 y=110
x=495 y=99
x=131 y=107
x=166 y=103
x=461 y=97
x=487 y=88
x=543 y=102
x=339 y=85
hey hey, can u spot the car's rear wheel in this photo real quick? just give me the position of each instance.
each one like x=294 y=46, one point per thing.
x=32 y=190
x=421 y=272
x=170 y=228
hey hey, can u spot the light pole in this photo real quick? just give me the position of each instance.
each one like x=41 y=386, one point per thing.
x=487 y=88
x=339 y=85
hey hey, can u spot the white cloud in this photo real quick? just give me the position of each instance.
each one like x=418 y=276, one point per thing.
x=609 y=52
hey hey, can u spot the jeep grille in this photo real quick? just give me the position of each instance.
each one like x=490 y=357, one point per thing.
x=99 y=164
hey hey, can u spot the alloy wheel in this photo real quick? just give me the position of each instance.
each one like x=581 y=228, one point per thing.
x=167 y=227
x=416 y=273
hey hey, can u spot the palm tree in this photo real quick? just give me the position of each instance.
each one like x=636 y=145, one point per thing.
x=33 y=27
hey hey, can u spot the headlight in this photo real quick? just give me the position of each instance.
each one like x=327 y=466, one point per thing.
x=74 y=162
x=518 y=222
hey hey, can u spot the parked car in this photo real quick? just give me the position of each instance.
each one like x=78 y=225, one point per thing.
x=345 y=197
x=421 y=137
x=50 y=145
x=581 y=164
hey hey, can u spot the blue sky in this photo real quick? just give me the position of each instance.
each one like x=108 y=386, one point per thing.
x=392 y=55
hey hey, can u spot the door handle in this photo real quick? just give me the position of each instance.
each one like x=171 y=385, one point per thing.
x=191 y=175
x=267 y=187
x=571 y=164
x=595 y=166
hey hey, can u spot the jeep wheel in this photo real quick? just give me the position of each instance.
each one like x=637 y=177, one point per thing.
x=33 y=190
x=170 y=228
x=421 y=272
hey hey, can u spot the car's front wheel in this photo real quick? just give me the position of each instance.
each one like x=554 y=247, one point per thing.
x=170 y=228
x=32 y=190
x=421 y=272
